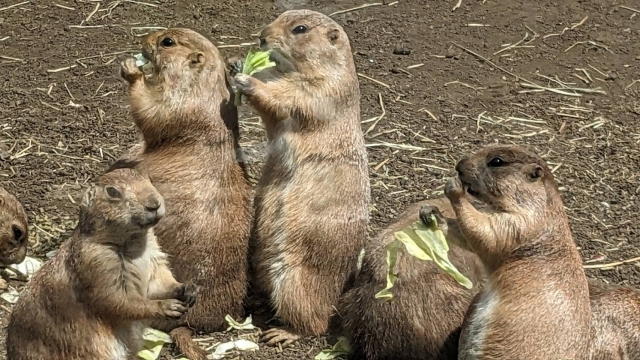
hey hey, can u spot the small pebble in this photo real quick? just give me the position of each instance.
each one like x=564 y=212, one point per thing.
x=400 y=51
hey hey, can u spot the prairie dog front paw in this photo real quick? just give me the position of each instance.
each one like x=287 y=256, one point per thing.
x=453 y=190
x=130 y=71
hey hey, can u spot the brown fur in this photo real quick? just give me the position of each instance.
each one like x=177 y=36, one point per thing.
x=615 y=322
x=312 y=202
x=94 y=297
x=535 y=303
x=186 y=116
x=14 y=230
x=423 y=320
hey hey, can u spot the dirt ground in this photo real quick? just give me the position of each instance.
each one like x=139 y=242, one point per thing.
x=560 y=76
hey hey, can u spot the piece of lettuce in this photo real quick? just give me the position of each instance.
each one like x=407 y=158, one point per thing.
x=341 y=348
x=255 y=61
x=426 y=243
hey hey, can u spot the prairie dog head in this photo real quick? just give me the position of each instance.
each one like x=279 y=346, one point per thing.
x=14 y=233
x=509 y=178
x=122 y=202
x=178 y=52
x=308 y=39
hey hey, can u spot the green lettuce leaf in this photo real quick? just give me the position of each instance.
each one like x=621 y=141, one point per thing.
x=425 y=243
x=341 y=348
x=254 y=62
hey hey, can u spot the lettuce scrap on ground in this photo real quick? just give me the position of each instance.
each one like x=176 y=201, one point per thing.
x=254 y=62
x=341 y=348
x=426 y=243
x=242 y=345
x=246 y=325
x=154 y=340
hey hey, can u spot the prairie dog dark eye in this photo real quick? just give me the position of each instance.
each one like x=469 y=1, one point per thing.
x=497 y=162
x=300 y=29
x=113 y=192
x=17 y=232
x=167 y=42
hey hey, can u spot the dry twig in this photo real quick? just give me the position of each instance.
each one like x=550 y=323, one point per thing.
x=611 y=265
x=354 y=9
x=14 y=5
x=384 y=112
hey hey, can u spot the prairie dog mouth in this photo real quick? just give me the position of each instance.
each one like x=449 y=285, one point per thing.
x=141 y=60
x=472 y=192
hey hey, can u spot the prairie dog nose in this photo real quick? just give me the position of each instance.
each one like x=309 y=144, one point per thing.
x=153 y=203
x=263 y=42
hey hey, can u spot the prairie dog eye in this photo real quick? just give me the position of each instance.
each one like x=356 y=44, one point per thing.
x=17 y=232
x=300 y=29
x=113 y=192
x=497 y=162
x=167 y=42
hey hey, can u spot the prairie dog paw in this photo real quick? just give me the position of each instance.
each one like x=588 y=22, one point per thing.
x=189 y=293
x=235 y=67
x=425 y=215
x=129 y=70
x=245 y=84
x=453 y=190
x=173 y=308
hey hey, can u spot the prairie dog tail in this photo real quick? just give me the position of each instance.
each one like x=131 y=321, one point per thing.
x=182 y=337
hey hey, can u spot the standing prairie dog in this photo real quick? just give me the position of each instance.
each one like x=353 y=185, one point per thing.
x=615 y=310
x=535 y=303
x=93 y=299
x=14 y=232
x=185 y=114
x=312 y=202
x=423 y=320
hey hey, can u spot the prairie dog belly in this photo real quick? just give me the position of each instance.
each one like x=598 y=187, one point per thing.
x=474 y=333
x=301 y=205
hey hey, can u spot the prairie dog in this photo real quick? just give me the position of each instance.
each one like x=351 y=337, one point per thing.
x=14 y=230
x=185 y=114
x=94 y=297
x=535 y=303
x=312 y=201
x=423 y=320
x=615 y=310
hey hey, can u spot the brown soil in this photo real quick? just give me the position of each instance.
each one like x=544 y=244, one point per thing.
x=59 y=129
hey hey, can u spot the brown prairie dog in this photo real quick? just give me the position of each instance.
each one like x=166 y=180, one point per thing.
x=615 y=310
x=423 y=320
x=185 y=114
x=94 y=297
x=312 y=202
x=14 y=231
x=535 y=303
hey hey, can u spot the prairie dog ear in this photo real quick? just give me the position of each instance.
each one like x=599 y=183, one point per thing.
x=333 y=35
x=196 y=59
x=534 y=172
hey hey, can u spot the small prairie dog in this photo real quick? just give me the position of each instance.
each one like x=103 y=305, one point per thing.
x=535 y=302
x=93 y=299
x=185 y=114
x=312 y=201
x=423 y=320
x=14 y=231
